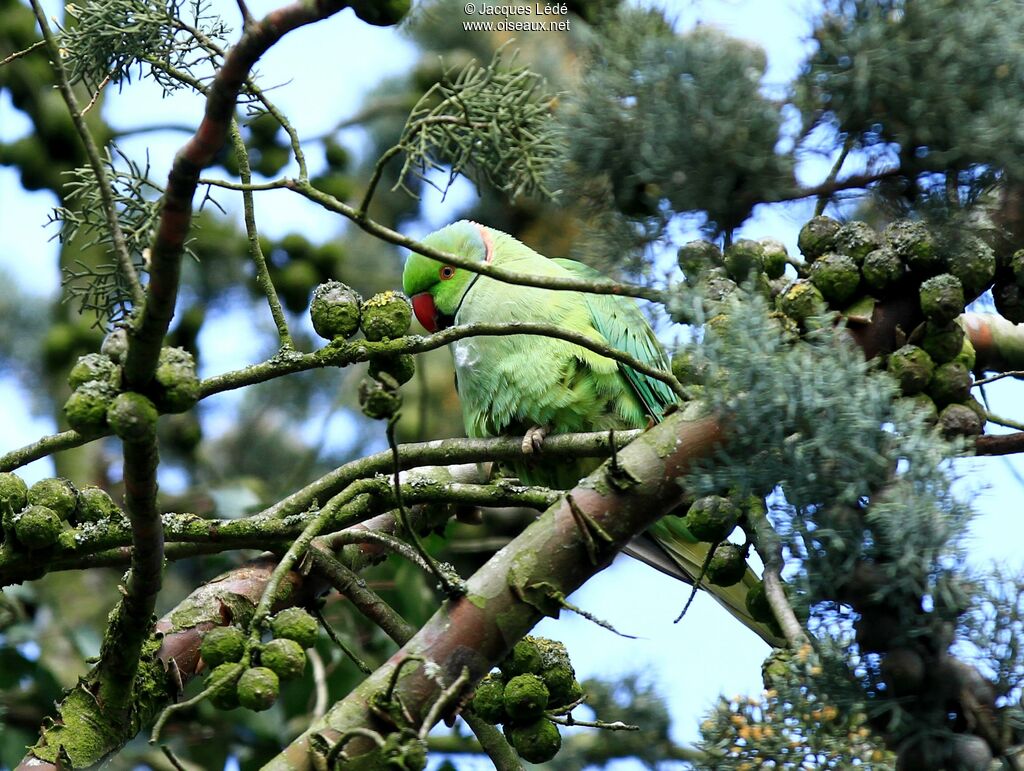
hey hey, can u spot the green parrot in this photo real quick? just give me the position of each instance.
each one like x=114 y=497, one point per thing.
x=529 y=385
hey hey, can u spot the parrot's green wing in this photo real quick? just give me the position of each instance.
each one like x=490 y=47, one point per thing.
x=623 y=325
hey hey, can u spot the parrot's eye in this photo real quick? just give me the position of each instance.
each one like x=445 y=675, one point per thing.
x=446 y=272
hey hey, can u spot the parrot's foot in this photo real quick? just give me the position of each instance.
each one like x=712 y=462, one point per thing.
x=533 y=441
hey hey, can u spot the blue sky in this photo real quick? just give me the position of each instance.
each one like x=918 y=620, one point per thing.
x=692 y=662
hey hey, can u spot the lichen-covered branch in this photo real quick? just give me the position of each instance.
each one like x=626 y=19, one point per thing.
x=522 y=583
x=41 y=448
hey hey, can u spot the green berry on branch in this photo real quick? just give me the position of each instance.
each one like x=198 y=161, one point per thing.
x=925 y=407
x=951 y=382
x=297 y=246
x=54 y=493
x=914 y=245
x=967 y=355
x=912 y=367
x=817 y=237
x=942 y=298
x=400 y=366
x=882 y=269
x=258 y=688
x=223 y=681
x=86 y=408
x=133 y=417
x=381 y=13
x=386 y=316
x=536 y=742
x=177 y=380
x=836 y=276
x=295 y=624
x=979 y=409
x=38 y=527
x=294 y=282
x=856 y=239
x=801 y=300
x=378 y=398
x=95 y=505
x=285 y=657
x=222 y=645
x=526 y=697
x=774 y=257
x=336 y=155
x=115 y=345
x=712 y=518
x=563 y=687
x=742 y=257
x=943 y=343
x=728 y=565
x=489 y=699
x=973 y=262
x=757 y=604
x=696 y=258
x=524 y=658
x=960 y=420
x=13 y=491
x=94 y=366
x=335 y=310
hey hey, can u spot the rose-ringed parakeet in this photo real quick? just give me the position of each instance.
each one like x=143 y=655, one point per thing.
x=529 y=385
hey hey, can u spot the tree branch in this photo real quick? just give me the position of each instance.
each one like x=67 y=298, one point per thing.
x=520 y=584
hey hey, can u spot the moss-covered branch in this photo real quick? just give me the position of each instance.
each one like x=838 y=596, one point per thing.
x=519 y=585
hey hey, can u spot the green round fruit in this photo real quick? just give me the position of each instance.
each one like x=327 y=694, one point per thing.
x=836 y=276
x=696 y=258
x=258 y=688
x=727 y=566
x=978 y=407
x=942 y=298
x=973 y=262
x=133 y=417
x=960 y=420
x=712 y=518
x=378 y=400
x=489 y=700
x=401 y=367
x=381 y=13
x=856 y=240
x=294 y=282
x=914 y=245
x=951 y=382
x=537 y=742
x=967 y=355
x=801 y=300
x=335 y=310
x=223 y=682
x=295 y=624
x=386 y=316
x=297 y=246
x=757 y=604
x=562 y=685
x=774 y=257
x=742 y=257
x=222 y=645
x=95 y=505
x=817 y=236
x=524 y=658
x=925 y=406
x=912 y=367
x=552 y=653
x=94 y=366
x=285 y=657
x=38 y=527
x=13 y=491
x=56 y=494
x=526 y=697
x=336 y=155
x=86 y=408
x=882 y=269
x=177 y=380
x=943 y=343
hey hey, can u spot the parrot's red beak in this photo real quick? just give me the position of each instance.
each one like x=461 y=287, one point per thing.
x=425 y=310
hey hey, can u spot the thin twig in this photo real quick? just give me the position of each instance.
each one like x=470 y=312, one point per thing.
x=447 y=696
x=23 y=52
x=825 y=196
x=998 y=376
x=568 y=720
x=337 y=640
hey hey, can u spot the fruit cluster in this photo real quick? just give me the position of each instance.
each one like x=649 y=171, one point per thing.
x=250 y=678
x=36 y=517
x=534 y=679
x=98 y=400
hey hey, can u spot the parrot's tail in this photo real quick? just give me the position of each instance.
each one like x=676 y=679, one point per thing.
x=674 y=551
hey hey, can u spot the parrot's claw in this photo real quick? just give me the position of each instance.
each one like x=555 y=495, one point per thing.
x=533 y=441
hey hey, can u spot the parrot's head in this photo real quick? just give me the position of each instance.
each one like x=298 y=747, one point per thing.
x=437 y=289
